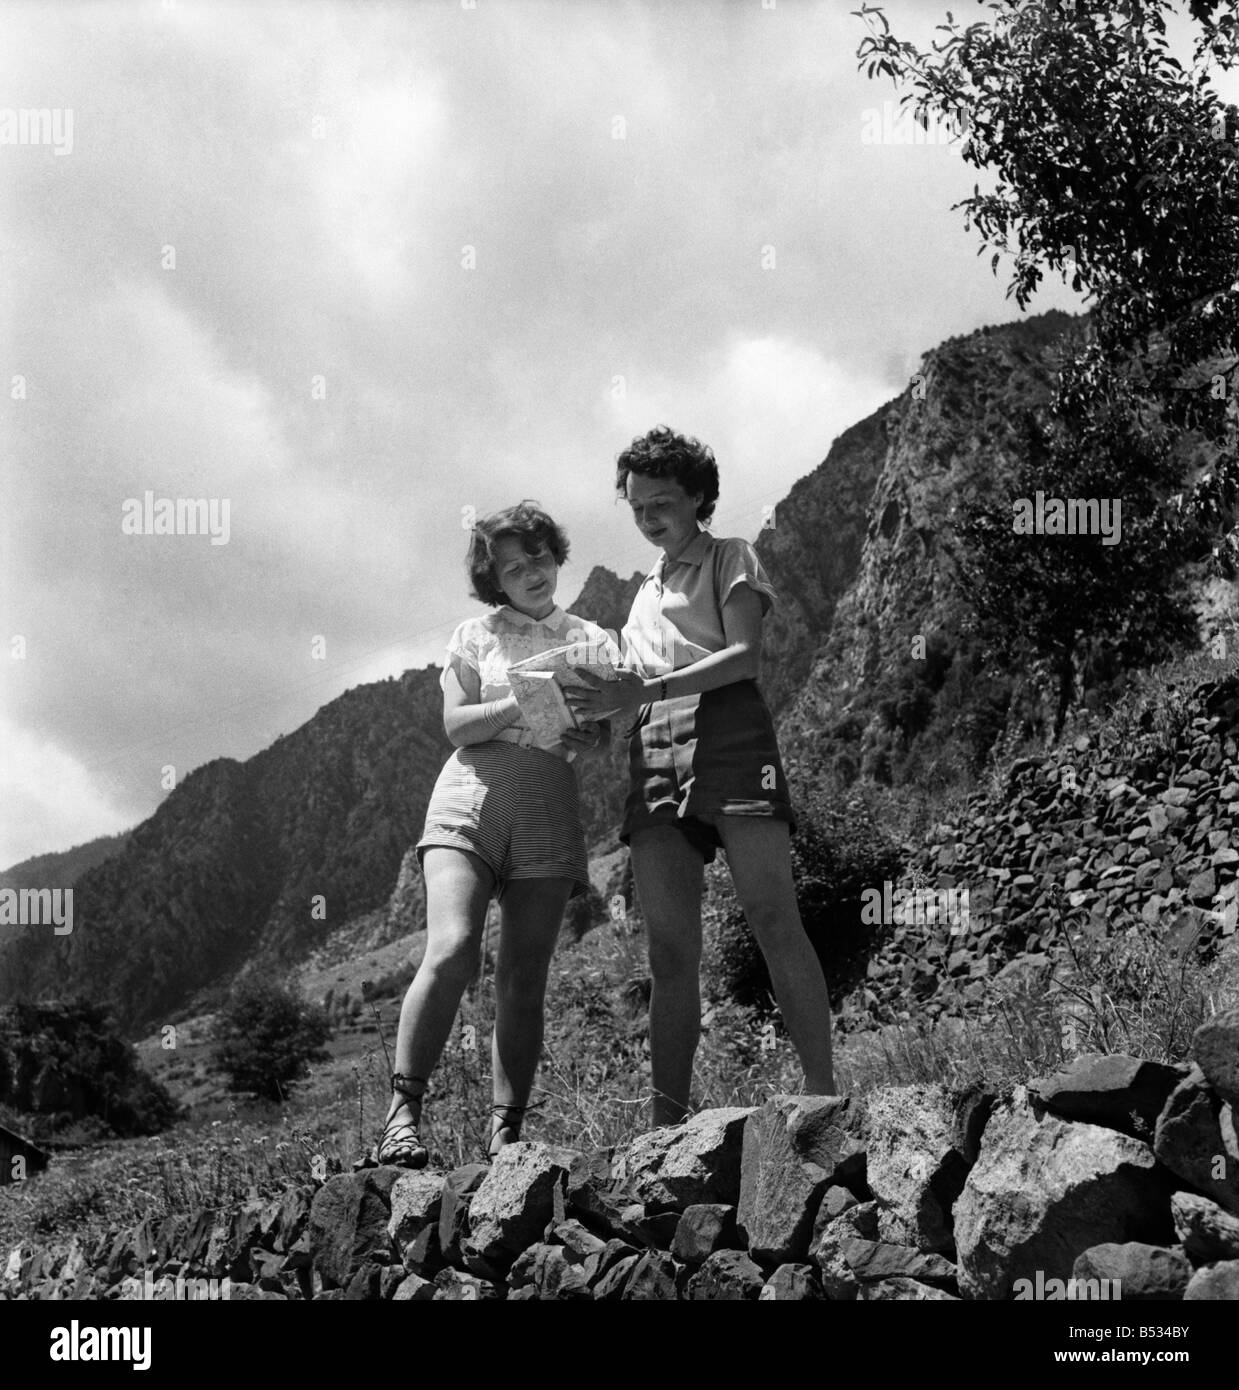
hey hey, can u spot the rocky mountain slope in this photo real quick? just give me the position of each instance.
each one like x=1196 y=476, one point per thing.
x=949 y=436
x=261 y=861
x=812 y=549
x=248 y=862
x=1090 y=840
x=264 y=860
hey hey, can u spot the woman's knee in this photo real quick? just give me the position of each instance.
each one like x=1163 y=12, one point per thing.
x=521 y=985
x=454 y=963
x=773 y=916
x=674 y=960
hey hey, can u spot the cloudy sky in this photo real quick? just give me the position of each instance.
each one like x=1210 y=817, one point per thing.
x=353 y=268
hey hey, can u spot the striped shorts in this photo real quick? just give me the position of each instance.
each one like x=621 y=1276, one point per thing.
x=517 y=808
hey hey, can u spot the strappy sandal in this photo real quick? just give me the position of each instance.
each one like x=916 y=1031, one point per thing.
x=400 y=1144
x=500 y=1122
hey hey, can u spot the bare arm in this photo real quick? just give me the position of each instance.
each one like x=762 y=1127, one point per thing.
x=466 y=720
x=739 y=660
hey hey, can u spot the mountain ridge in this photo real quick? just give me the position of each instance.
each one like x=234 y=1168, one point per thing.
x=254 y=864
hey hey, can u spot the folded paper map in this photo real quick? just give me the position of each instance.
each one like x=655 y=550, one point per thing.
x=538 y=683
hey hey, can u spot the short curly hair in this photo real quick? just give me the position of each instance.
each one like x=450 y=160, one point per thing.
x=661 y=453
x=530 y=525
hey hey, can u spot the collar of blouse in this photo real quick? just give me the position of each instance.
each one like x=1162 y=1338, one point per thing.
x=514 y=615
x=692 y=554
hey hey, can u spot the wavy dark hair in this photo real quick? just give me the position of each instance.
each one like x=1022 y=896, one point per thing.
x=530 y=525
x=661 y=453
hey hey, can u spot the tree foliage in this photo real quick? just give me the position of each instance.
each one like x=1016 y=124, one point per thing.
x=838 y=851
x=1060 y=606
x=268 y=1036
x=1117 y=166
x=68 y=1060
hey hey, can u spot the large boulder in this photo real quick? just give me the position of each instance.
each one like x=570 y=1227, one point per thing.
x=552 y=1272
x=613 y=1282
x=455 y=1286
x=1043 y=1191
x=915 y=1169
x=682 y=1165
x=458 y=1189
x=1198 y=1141
x=903 y=1290
x=792 y=1283
x=582 y=1245
x=1208 y=1233
x=1215 y=1282
x=859 y=1221
x=516 y=1200
x=728 y=1276
x=652 y=1279
x=1215 y=1047
x=1138 y=1273
x=794 y=1148
x=348 y=1223
x=870 y=1261
x=294 y=1213
x=413 y=1289
x=1119 y=1092
x=702 y=1230
x=416 y=1200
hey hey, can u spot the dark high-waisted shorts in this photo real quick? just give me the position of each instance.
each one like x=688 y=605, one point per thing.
x=705 y=756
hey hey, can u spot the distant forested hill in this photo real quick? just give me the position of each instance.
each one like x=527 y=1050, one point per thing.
x=248 y=861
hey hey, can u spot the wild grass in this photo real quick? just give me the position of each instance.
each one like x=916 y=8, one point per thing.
x=1134 y=994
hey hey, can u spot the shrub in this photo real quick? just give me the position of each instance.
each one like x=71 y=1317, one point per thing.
x=583 y=914
x=268 y=1036
x=837 y=852
x=64 y=1061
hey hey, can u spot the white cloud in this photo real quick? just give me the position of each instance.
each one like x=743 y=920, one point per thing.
x=339 y=257
x=50 y=800
x=769 y=407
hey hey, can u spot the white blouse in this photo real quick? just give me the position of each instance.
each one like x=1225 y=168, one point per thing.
x=490 y=644
x=677 y=614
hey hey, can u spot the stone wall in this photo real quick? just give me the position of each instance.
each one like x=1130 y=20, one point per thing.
x=1100 y=839
x=1116 y=1177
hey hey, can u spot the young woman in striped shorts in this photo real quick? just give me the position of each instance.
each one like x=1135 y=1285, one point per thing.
x=503 y=821
x=705 y=772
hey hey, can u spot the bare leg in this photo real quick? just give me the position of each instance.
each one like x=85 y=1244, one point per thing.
x=533 y=909
x=668 y=872
x=458 y=886
x=759 y=856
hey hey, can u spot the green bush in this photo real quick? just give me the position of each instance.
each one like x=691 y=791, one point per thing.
x=66 y=1061
x=583 y=914
x=267 y=1038
x=838 y=851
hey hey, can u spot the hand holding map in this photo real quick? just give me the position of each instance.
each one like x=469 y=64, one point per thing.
x=538 y=683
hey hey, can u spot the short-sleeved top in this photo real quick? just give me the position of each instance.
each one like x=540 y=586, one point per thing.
x=676 y=617
x=490 y=644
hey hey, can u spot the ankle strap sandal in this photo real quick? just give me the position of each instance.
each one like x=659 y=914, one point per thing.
x=500 y=1122
x=400 y=1143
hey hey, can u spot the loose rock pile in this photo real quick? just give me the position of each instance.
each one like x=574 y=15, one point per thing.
x=1115 y=1169
x=1093 y=841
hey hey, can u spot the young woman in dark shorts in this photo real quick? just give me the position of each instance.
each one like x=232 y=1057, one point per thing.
x=704 y=765
x=503 y=821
